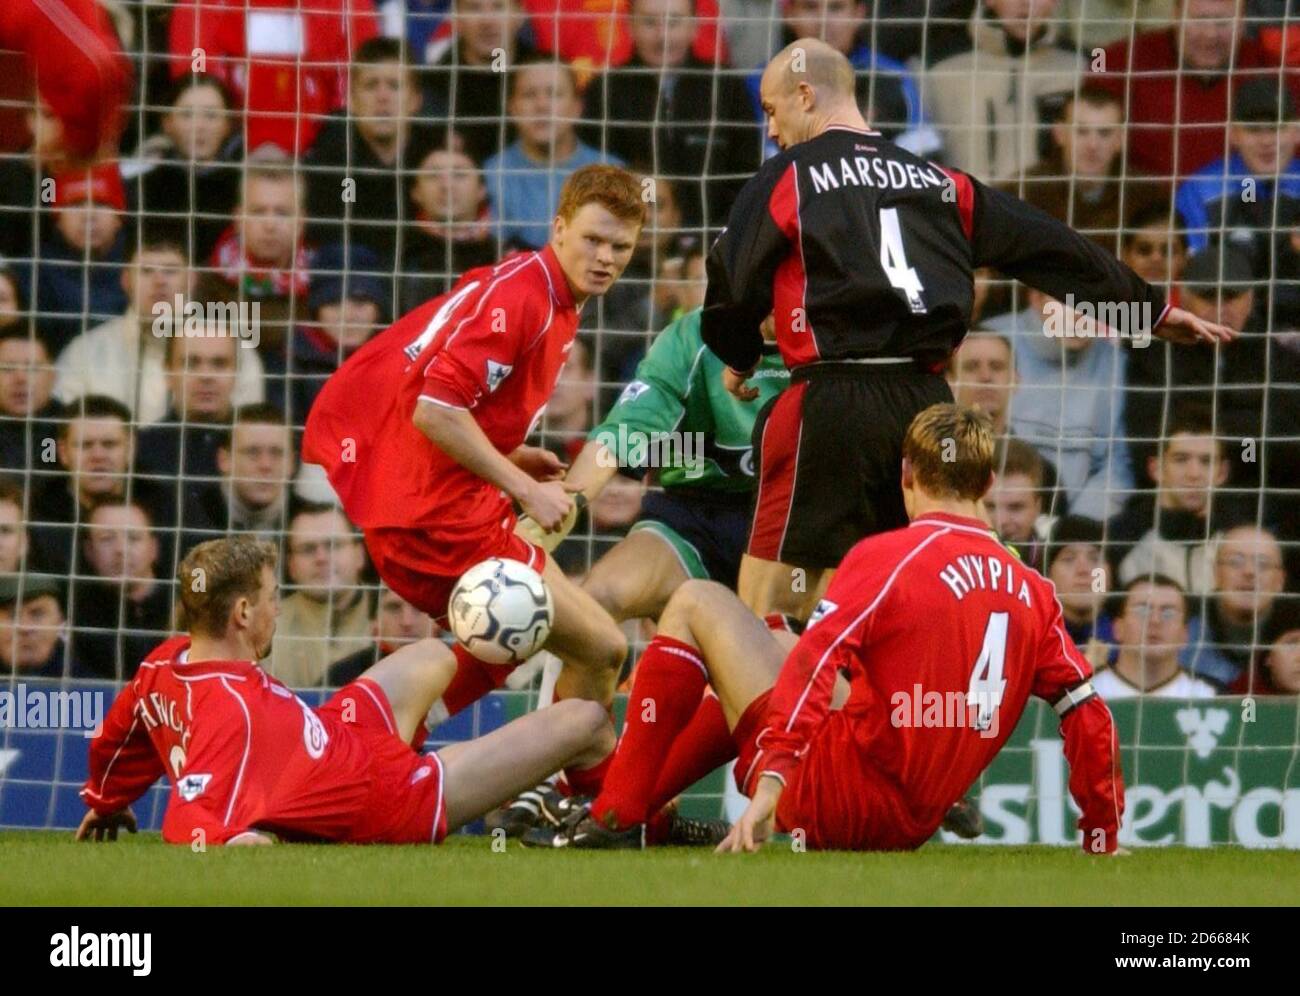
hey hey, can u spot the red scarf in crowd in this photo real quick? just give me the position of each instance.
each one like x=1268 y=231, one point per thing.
x=257 y=279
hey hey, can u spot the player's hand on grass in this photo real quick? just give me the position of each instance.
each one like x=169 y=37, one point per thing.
x=96 y=828
x=1185 y=329
x=250 y=838
x=755 y=825
x=538 y=463
x=548 y=503
x=736 y=385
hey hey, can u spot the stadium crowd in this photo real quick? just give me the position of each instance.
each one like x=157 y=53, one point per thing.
x=301 y=174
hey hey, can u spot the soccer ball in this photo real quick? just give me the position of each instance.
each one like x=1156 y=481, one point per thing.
x=501 y=611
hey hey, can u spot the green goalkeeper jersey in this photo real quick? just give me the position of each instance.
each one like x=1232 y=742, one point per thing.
x=676 y=416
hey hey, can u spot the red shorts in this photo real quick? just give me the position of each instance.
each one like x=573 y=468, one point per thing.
x=413 y=562
x=834 y=796
x=404 y=802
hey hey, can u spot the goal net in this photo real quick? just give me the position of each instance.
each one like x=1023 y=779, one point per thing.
x=293 y=176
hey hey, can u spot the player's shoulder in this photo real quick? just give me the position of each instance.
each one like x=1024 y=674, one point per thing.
x=887 y=551
x=775 y=166
x=168 y=651
x=523 y=282
x=682 y=334
x=930 y=539
x=159 y=661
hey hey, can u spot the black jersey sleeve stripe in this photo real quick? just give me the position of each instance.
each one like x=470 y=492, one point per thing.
x=965 y=196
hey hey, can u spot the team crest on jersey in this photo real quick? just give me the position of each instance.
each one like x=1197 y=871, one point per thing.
x=824 y=608
x=496 y=373
x=633 y=391
x=314 y=737
x=191 y=787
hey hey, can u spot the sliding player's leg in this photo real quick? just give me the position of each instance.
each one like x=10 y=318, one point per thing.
x=413 y=678
x=481 y=774
x=768 y=586
x=592 y=648
x=636 y=578
x=703 y=631
x=675 y=540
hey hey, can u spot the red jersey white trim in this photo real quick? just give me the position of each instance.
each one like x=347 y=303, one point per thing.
x=248 y=745
x=889 y=583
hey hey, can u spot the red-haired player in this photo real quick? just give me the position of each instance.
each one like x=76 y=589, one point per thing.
x=938 y=611
x=421 y=432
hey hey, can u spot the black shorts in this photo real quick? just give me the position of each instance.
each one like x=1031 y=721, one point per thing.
x=707 y=530
x=827 y=453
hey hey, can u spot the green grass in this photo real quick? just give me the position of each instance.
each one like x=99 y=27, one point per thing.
x=48 y=868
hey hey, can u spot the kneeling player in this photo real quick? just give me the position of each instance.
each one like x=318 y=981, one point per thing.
x=248 y=758
x=937 y=607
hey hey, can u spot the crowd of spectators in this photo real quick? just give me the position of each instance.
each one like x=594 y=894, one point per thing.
x=307 y=172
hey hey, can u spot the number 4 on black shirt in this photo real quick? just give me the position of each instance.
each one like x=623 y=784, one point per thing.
x=862 y=250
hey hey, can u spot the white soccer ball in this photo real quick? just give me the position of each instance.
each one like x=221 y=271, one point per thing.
x=501 y=611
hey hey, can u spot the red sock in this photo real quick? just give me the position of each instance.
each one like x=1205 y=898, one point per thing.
x=670 y=679
x=704 y=745
x=473 y=679
x=588 y=781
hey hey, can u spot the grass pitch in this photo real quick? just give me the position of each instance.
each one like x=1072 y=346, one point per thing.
x=50 y=868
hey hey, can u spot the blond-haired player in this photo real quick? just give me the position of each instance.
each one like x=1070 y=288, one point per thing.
x=938 y=612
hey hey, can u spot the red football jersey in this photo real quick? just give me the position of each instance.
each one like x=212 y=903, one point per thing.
x=494 y=345
x=945 y=635
x=80 y=69
x=242 y=751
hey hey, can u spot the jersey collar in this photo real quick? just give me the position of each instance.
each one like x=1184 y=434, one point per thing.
x=948 y=519
x=559 y=282
x=209 y=667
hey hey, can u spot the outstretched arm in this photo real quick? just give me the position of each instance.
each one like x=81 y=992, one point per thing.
x=1032 y=246
x=123 y=764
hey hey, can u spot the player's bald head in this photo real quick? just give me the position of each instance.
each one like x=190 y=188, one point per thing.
x=812 y=61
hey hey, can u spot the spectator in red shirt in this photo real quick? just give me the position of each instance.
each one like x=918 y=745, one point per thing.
x=1183 y=89
x=286 y=63
x=594 y=34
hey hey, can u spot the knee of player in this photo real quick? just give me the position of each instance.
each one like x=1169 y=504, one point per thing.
x=435 y=650
x=616 y=649
x=689 y=608
x=605 y=594
x=589 y=720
